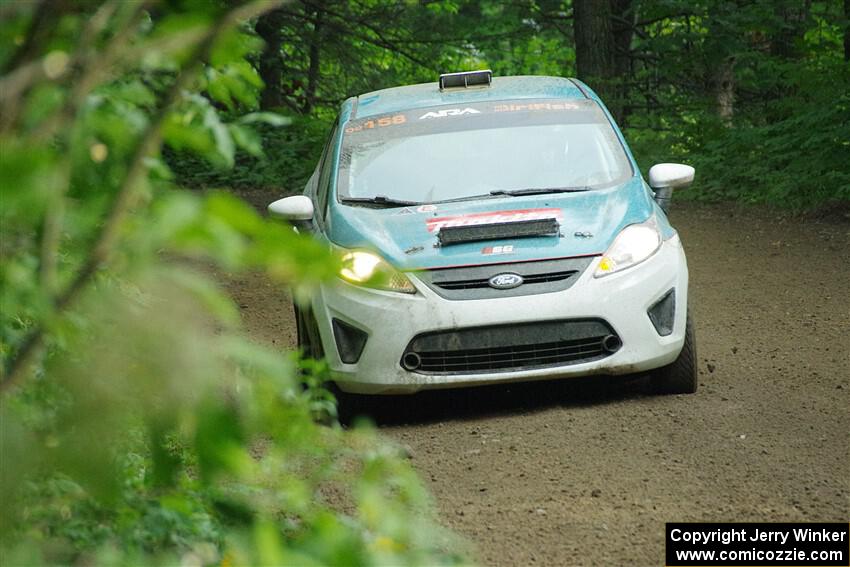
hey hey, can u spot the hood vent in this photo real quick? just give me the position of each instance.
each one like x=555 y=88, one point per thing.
x=498 y=231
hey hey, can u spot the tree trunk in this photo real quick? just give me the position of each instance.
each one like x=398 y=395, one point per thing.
x=725 y=85
x=625 y=17
x=847 y=31
x=315 y=58
x=594 y=39
x=268 y=27
x=792 y=17
x=595 y=48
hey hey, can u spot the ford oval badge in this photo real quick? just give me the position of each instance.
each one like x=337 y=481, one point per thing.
x=505 y=281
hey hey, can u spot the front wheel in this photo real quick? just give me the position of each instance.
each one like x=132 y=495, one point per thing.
x=307 y=329
x=310 y=344
x=680 y=376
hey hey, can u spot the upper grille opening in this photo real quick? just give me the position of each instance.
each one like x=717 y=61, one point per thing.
x=479 y=283
x=472 y=282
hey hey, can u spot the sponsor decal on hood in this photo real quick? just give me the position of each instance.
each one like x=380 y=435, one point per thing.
x=493 y=217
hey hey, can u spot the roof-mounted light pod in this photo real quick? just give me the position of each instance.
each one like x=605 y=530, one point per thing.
x=466 y=79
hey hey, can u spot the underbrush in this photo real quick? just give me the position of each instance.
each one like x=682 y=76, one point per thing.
x=789 y=152
x=285 y=160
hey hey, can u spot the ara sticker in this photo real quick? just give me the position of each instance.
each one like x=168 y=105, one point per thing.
x=494 y=217
x=449 y=112
x=496 y=250
x=426 y=208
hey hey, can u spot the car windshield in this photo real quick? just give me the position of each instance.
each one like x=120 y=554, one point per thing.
x=480 y=150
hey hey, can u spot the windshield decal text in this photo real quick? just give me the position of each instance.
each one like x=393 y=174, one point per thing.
x=536 y=106
x=381 y=122
x=449 y=112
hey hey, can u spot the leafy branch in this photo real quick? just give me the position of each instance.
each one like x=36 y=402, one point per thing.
x=127 y=193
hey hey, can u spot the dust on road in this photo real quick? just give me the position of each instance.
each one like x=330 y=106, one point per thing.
x=587 y=471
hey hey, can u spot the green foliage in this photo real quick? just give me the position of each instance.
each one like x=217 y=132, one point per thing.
x=798 y=161
x=279 y=159
x=145 y=428
x=786 y=140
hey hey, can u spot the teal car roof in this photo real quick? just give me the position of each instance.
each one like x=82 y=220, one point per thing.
x=428 y=94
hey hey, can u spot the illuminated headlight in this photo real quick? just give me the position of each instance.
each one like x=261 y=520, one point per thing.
x=633 y=245
x=364 y=268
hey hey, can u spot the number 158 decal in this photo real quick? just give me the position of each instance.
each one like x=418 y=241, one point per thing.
x=381 y=122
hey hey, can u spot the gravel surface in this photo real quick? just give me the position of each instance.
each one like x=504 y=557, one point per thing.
x=587 y=471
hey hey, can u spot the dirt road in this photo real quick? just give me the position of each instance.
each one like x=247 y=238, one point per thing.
x=586 y=472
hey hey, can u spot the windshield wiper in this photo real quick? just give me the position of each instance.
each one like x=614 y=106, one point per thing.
x=381 y=201
x=517 y=192
x=539 y=191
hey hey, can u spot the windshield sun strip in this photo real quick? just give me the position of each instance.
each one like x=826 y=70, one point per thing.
x=574 y=111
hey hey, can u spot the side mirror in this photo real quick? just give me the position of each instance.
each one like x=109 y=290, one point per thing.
x=298 y=208
x=670 y=176
x=664 y=177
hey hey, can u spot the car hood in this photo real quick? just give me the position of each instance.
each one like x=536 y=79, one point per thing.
x=407 y=237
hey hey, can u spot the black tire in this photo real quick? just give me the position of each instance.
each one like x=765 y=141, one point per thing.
x=308 y=334
x=680 y=376
x=310 y=344
x=348 y=406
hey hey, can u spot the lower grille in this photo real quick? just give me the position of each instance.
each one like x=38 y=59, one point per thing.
x=510 y=347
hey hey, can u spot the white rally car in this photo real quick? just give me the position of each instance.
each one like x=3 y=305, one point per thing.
x=492 y=230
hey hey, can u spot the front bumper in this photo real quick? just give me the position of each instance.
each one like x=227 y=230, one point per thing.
x=392 y=320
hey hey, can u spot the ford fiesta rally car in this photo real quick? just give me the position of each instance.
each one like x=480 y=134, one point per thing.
x=492 y=230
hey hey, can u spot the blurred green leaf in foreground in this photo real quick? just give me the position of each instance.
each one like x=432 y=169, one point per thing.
x=139 y=425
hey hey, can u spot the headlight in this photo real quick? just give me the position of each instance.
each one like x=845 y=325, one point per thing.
x=633 y=245
x=364 y=268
